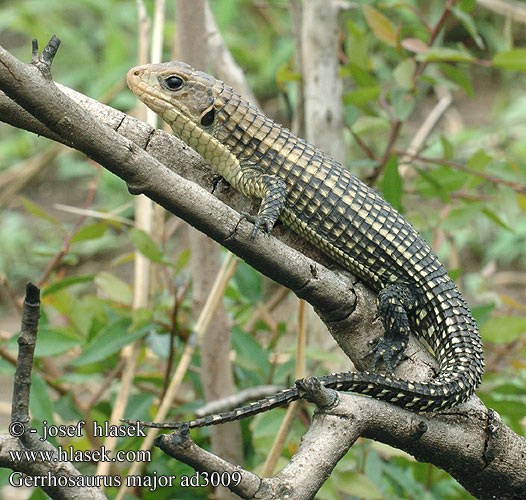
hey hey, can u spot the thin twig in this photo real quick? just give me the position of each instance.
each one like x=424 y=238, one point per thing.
x=269 y=306
x=178 y=300
x=433 y=36
x=66 y=244
x=395 y=132
x=110 y=377
x=368 y=151
x=238 y=399
x=4 y=282
x=516 y=186
x=424 y=131
x=26 y=351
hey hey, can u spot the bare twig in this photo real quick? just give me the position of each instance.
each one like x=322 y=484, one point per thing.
x=516 y=186
x=66 y=244
x=423 y=132
x=437 y=28
x=178 y=299
x=19 y=428
x=26 y=350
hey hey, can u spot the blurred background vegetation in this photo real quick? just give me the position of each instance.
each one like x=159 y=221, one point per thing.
x=463 y=196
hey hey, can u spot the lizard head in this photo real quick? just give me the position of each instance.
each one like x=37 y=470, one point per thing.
x=183 y=96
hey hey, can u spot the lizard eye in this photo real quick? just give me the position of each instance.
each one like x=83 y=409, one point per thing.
x=173 y=82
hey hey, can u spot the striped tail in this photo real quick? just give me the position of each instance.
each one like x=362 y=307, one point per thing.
x=281 y=398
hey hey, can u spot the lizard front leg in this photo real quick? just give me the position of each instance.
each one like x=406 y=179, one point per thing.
x=273 y=192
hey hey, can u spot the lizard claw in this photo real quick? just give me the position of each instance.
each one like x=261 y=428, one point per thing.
x=388 y=349
x=260 y=224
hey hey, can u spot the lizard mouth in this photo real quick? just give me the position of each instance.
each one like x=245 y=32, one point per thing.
x=145 y=91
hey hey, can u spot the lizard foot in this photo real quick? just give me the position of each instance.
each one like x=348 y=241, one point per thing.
x=260 y=224
x=389 y=349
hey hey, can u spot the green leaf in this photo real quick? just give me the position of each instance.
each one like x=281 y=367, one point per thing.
x=404 y=73
x=285 y=74
x=491 y=215
x=40 y=403
x=447 y=148
x=478 y=160
x=350 y=115
x=460 y=217
x=482 y=313
x=248 y=282
x=459 y=77
x=445 y=54
x=250 y=354
x=90 y=232
x=380 y=25
x=35 y=210
x=392 y=183
x=182 y=260
x=357 y=485
x=403 y=104
x=445 y=178
x=114 y=288
x=66 y=282
x=52 y=342
x=512 y=59
x=360 y=75
x=357 y=46
x=362 y=96
x=470 y=25
x=503 y=329
x=467 y=5
x=144 y=244
x=109 y=341
x=369 y=124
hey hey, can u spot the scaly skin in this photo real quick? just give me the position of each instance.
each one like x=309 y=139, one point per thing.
x=322 y=202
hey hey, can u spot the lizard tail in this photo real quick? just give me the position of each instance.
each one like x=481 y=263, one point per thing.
x=281 y=398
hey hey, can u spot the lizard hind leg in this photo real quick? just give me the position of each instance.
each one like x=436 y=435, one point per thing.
x=394 y=303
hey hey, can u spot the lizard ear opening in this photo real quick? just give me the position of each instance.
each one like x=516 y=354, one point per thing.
x=208 y=118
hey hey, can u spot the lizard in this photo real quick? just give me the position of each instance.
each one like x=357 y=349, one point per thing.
x=320 y=200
